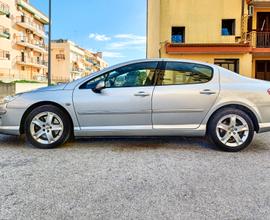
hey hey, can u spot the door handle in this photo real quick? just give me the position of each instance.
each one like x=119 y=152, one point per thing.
x=207 y=92
x=142 y=94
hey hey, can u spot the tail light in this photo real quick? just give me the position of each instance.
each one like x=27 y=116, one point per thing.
x=268 y=91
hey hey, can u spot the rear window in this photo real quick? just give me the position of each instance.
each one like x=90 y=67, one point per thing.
x=177 y=73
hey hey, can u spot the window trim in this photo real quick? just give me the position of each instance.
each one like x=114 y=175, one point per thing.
x=233 y=28
x=217 y=61
x=183 y=35
x=155 y=77
x=163 y=68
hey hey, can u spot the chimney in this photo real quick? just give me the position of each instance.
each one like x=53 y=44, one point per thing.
x=99 y=54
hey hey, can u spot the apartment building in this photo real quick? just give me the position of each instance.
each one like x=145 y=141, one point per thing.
x=23 y=49
x=234 y=34
x=70 y=61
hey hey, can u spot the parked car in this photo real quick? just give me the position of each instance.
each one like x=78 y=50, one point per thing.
x=159 y=97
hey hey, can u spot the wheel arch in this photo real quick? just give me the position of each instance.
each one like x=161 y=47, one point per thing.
x=38 y=104
x=245 y=109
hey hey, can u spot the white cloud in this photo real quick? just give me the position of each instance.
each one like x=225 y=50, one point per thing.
x=130 y=37
x=127 y=41
x=99 y=37
x=110 y=54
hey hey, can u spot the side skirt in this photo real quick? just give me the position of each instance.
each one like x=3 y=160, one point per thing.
x=138 y=131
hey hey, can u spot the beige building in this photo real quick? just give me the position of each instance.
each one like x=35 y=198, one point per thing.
x=234 y=34
x=70 y=62
x=23 y=49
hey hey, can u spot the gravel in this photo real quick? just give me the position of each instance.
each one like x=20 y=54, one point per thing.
x=134 y=178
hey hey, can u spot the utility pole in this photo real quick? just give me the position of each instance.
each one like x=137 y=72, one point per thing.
x=50 y=36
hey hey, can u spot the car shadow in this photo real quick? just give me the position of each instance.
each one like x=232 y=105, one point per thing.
x=138 y=143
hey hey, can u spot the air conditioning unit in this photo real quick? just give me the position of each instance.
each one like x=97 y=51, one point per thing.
x=250 y=10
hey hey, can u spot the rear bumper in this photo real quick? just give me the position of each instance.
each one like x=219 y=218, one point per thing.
x=264 y=127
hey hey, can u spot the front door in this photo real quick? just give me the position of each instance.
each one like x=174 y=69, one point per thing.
x=123 y=105
x=263 y=69
x=184 y=94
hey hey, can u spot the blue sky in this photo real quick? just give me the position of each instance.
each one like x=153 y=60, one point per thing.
x=116 y=27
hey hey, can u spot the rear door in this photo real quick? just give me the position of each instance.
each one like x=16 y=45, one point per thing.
x=184 y=94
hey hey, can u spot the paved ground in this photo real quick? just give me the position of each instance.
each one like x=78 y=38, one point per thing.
x=168 y=178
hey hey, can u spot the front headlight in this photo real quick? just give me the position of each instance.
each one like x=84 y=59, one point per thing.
x=9 y=99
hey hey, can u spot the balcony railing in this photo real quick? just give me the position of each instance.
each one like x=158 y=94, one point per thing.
x=263 y=40
x=28 y=23
x=31 y=61
x=77 y=70
x=4 y=9
x=31 y=43
x=4 y=32
x=257 y=39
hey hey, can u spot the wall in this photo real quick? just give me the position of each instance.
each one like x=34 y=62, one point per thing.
x=202 y=19
x=60 y=67
x=245 y=60
x=6 y=89
x=153 y=28
x=25 y=87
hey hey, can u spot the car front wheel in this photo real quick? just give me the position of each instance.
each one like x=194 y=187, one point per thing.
x=47 y=127
x=231 y=130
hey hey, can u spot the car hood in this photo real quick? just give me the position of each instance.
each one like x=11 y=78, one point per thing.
x=51 y=88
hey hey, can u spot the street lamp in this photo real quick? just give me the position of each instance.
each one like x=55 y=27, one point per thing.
x=50 y=35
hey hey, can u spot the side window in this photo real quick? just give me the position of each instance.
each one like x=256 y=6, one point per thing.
x=93 y=82
x=177 y=73
x=134 y=75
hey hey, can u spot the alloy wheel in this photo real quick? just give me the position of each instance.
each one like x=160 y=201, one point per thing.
x=232 y=130
x=46 y=128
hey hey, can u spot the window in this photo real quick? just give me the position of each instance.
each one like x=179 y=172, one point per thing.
x=60 y=56
x=228 y=27
x=178 y=34
x=134 y=75
x=184 y=73
x=4 y=55
x=230 y=64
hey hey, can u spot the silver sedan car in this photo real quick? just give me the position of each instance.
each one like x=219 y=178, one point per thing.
x=158 y=97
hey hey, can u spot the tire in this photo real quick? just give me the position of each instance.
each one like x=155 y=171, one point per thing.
x=47 y=127
x=227 y=126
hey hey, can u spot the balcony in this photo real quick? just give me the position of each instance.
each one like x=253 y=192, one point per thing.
x=31 y=61
x=259 y=3
x=262 y=39
x=28 y=23
x=258 y=39
x=4 y=32
x=37 y=14
x=4 y=9
x=33 y=44
x=77 y=71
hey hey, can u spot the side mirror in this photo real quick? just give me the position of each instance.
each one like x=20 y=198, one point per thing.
x=99 y=87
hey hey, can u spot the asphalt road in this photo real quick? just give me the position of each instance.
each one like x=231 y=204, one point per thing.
x=150 y=178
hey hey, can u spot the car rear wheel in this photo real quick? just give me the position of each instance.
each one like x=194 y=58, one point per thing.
x=231 y=130
x=47 y=127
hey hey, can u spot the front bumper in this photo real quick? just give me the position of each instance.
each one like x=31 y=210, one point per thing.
x=9 y=120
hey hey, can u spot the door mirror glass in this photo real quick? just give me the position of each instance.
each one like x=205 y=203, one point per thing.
x=100 y=86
